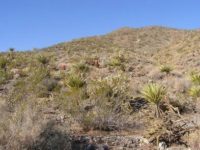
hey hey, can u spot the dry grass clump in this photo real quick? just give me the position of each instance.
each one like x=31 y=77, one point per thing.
x=194 y=139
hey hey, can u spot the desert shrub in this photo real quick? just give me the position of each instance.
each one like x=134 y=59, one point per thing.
x=154 y=93
x=38 y=74
x=4 y=76
x=81 y=67
x=20 y=128
x=117 y=60
x=166 y=69
x=74 y=92
x=37 y=81
x=75 y=81
x=43 y=60
x=195 y=78
x=46 y=86
x=110 y=97
x=194 y=91
x=50 y=84
x=3 y=62
x=18 y=94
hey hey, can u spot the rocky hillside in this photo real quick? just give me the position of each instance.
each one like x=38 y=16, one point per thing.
x=134 y=88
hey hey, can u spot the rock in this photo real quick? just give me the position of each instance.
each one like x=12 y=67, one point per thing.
x=162 y=146
x=91 y=147
x=62 y=66
x=15 y=71
x=138 y=103
x=88 y=107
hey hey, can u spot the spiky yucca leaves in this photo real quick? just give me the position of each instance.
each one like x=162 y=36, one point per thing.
x=154 y=93
x=195 y=91
x=43 y=60
x=81 y=67
x=75 y=81
x=195 y=78
x=166 y=69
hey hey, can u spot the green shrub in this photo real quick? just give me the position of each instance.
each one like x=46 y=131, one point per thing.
x=154 y=93
x=110 y=92
x=115 y=62
x=4 y=76
x=166 y=69
x=81 y=67
x=75 y=82
x=3 y=63
x=46 y=86
x=194 y=91
x=195 y=78
x=43 y=60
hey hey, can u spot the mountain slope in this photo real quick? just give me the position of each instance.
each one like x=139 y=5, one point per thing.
x=75 y=93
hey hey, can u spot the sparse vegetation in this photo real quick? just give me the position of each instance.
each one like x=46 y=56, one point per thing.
x=98 y=88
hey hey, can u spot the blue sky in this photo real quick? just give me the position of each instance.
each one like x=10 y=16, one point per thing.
x=27 y=24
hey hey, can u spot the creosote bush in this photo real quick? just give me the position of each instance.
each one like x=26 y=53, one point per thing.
x=154 y=93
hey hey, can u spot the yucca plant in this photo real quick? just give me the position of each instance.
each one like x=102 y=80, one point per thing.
x=75 y=82
x=154 y=93
x=43 y=60
x=166 y=69
x=81 y=67
x=194 y=91
x=195 y=78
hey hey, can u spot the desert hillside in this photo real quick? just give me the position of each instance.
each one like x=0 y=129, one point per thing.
x=133 y=88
